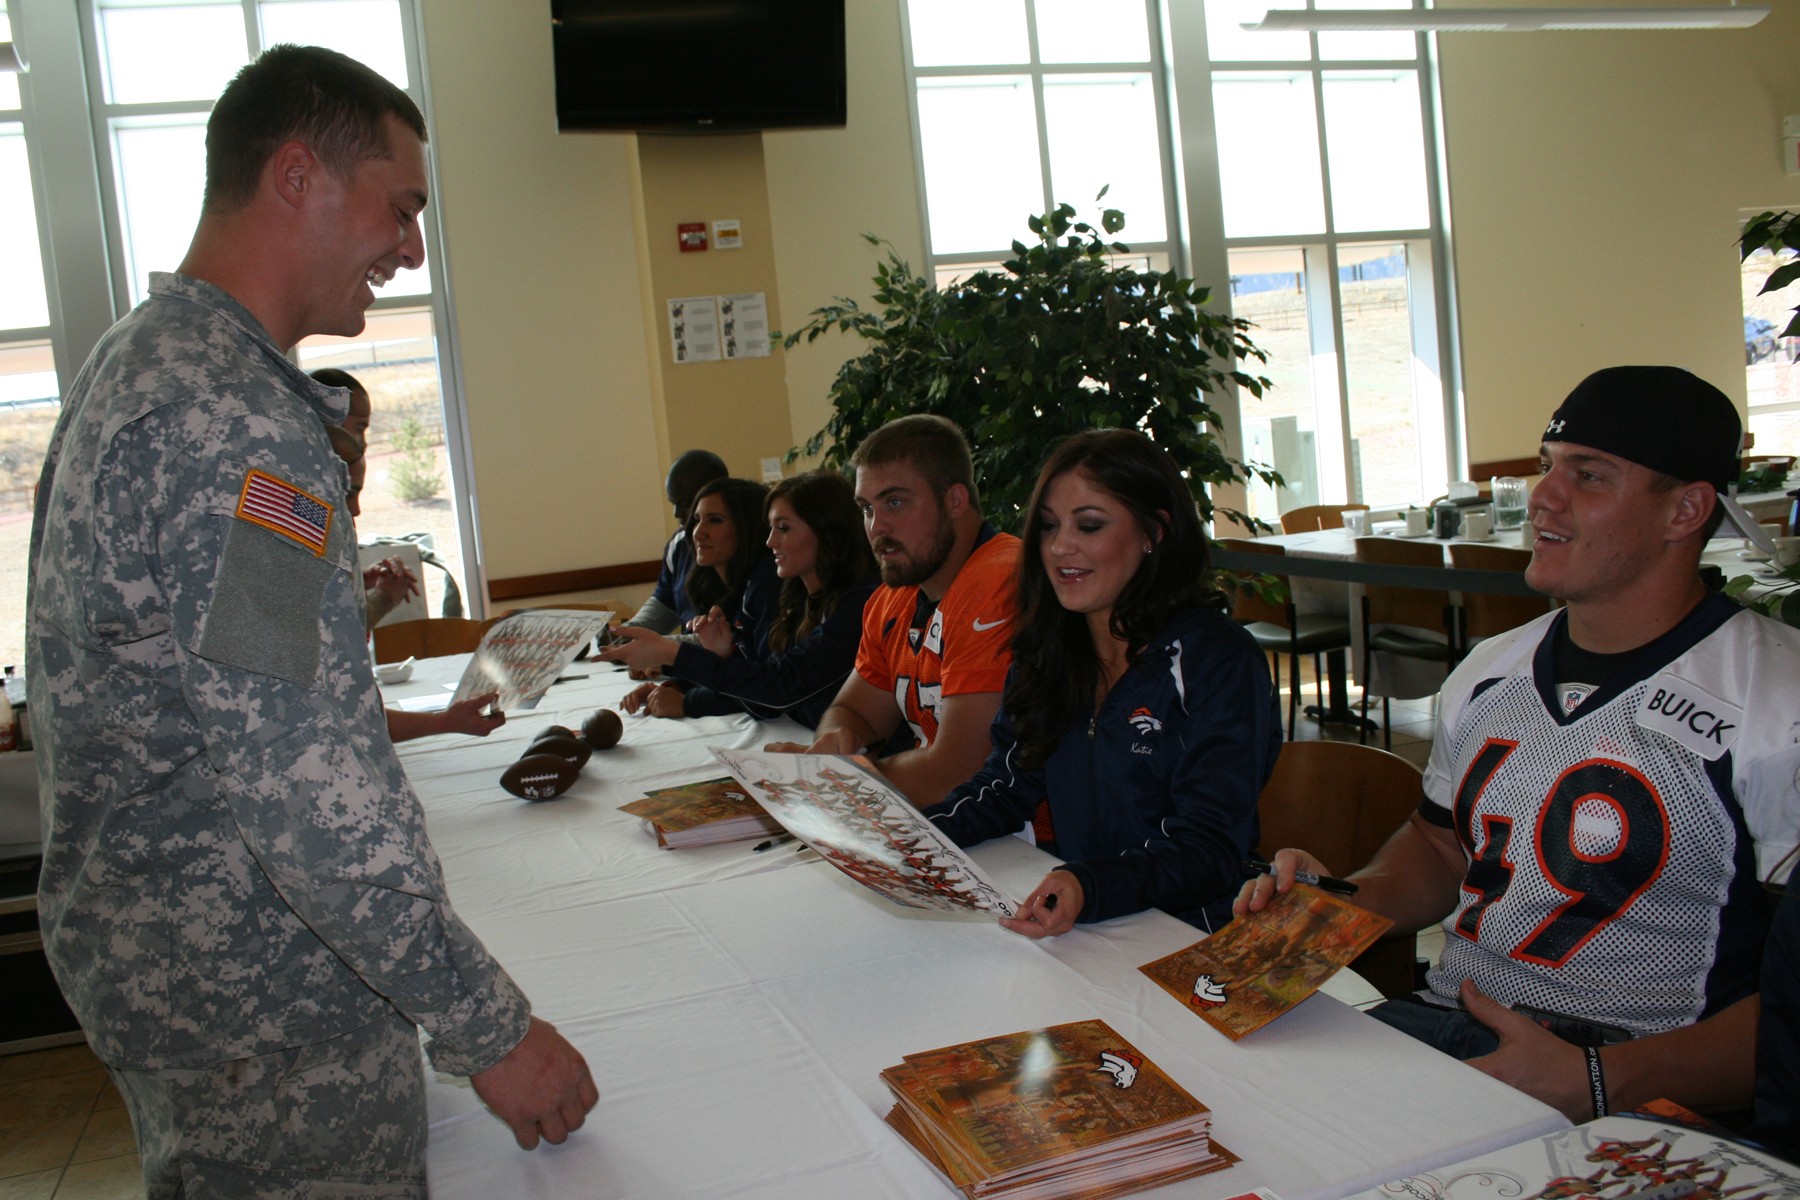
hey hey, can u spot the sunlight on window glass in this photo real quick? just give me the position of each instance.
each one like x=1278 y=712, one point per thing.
x=1228 y=41
x=1268 y=288
x=9 y=83
x=23 y=304
x=1378 y=362
x=1771 y=362
x=407 y=485
x=1102 y=131
x=1377 y=151
x=1085 y=32
x=27 y=377
x=1367 y=45
x=162 y=173
x=175 y=52
x=367 y=30
x=1268 y=154
x=951 y=33
x=982 y=178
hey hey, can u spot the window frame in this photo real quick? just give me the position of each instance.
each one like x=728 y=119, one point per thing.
x=68 y=126
x=1184 y=73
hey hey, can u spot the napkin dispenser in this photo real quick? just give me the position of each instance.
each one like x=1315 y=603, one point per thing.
x=1447 y=514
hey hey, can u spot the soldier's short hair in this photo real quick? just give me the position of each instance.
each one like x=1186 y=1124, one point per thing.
x=929 y=444
x=334 y=104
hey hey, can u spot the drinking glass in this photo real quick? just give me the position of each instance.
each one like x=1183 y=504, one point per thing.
x=1509 y=502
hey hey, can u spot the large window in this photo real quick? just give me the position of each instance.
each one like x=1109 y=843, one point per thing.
x=1026 y=104
x=102 y=160
x=1321 y=160
x=1771 y=362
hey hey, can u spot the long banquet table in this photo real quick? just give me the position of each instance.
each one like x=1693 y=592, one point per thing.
x=736 y=1006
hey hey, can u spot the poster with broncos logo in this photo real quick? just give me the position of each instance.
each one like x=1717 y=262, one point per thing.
x=858 y=823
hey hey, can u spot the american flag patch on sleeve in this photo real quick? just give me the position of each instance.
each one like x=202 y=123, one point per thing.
x=278 y=505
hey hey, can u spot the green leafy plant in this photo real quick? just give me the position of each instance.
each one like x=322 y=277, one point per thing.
x=1062 y=338
x=1781 y=601
x=1776 y=231
x=414 y=471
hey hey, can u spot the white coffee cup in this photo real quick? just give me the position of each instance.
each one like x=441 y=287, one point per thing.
x=1418 y=522
x=1787 y=551
x=1477 y=526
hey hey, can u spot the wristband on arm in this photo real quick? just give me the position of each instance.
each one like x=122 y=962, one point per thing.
x=1596 y=1079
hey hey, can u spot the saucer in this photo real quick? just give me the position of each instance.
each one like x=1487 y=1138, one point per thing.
x=1463 y=537
x=1401 y=533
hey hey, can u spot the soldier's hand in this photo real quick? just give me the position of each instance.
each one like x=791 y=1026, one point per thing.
x=541 y=1088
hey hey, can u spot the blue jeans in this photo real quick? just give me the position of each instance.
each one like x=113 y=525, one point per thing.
x=1451 y=1030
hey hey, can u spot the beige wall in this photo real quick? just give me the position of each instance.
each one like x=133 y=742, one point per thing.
x=828 y=187
x=551 y=284
x=1596 y=184
x=544 y=279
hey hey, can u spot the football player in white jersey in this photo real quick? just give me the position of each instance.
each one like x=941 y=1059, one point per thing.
x=1611 y=785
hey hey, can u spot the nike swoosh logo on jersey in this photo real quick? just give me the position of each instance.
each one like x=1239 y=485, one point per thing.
x=983 y=626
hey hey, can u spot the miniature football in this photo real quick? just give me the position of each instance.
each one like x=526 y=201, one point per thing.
x=553 y=731
x=539 y=777
x=602 y=730
x=570 y=749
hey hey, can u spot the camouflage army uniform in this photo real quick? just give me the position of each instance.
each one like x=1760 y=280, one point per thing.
x=235 y=864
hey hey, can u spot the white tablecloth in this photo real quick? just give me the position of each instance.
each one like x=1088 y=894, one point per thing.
x=736 y=1007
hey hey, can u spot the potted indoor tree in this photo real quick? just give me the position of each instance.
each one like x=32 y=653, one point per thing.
x=1060 y=339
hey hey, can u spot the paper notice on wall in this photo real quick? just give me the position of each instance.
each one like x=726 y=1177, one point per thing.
x=694 y=329
x=744 y=325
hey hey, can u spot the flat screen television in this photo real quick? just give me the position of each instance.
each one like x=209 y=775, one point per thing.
x=698 y=66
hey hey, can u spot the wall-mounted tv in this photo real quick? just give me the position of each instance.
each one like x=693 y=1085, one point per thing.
x=698 y=66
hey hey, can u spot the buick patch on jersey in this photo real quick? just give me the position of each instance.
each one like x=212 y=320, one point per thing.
x=1693 y=717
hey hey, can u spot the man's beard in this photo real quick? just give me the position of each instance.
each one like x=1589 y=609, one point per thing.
x=911 y=572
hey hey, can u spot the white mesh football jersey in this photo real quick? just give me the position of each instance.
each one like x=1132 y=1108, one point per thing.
x=1615 y=851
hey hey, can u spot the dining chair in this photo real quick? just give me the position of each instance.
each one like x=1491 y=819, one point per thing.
x=1483 y=613
x=1278 y=628
x=1400 y=609
x=1340 y=802
x=1317 y=516
x=428 y=638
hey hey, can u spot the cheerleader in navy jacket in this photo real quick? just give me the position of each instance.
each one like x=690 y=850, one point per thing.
x=1139 y=723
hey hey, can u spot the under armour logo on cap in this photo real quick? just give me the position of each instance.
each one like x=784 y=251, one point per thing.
x=1555 y=427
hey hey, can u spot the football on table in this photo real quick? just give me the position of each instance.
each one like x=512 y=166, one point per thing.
x=539 y=777
x=602 y=730
x=563 y=746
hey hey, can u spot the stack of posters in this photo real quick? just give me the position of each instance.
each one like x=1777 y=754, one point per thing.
x=859 y=824
x=702 y=814
x=1070 y=1111
x=1664 y=1151
x=521 y=656
x=1264 y=963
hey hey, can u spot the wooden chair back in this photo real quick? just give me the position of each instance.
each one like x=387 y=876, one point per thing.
x=433 y=637
x=1422 y=608
x=1485 y=614
x=1247 y=602
x=1341 y=801
x=1317 y=516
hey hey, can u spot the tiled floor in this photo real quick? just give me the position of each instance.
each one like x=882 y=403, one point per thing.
x=64 y=1133
x=1414 y=720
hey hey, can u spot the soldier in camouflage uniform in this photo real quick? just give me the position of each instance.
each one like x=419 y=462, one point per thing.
x=239 y=897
